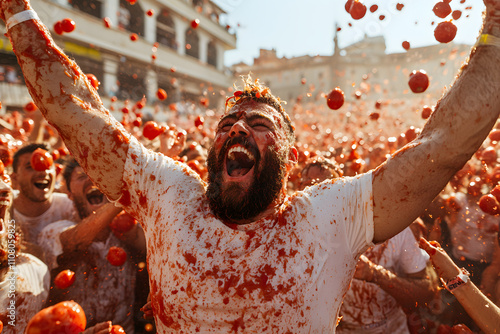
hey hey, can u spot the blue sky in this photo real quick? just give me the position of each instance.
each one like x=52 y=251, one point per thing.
x=306 y=27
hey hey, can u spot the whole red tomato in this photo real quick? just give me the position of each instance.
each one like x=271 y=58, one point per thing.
x=335 y=99
x=489 y=155
x=443 y=329
x=137 y=122
x=116 y=256
x=426 y=112
x=195 y=23
x=358 y=10
x=30 y=107
x=6 y=156
x=445 y=32
x=461 y=329
x=496 y=192
x=58 y=29
x=419 y=81
x=41 y=160
x=442 y=9
x=199 y=121
x=494 y=135
x=406 y=45
x=117 y=329
x=151 y=130
x=161 y=94
x=66 y=317
x=68 y=25
x=64 y=279
x=28 y=125
x=122 y=223
x=489 y=204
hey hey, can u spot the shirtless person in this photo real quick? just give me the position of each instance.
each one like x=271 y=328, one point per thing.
x=236 y=254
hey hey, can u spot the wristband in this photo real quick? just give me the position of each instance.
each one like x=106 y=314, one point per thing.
x=21 y=17
x=486 y=39
x=458 y=281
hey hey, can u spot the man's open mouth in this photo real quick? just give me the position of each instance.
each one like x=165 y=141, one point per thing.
x=239 y=161
x=94 y=196
x=43 y=184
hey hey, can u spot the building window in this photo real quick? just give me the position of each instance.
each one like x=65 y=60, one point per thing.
x=131 y=17
x=212 y=54
x=131 y=82
x=92 y=7
x=198 y=3
x=165 y=30
x=192 y=44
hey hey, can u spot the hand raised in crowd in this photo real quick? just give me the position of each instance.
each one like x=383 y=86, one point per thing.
x=100 y=328
x=172 y=141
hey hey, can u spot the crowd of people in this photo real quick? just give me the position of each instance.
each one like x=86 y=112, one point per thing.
x=248 y=223
x=53 y=207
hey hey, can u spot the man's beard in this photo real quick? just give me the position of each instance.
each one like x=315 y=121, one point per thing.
x=231 y=201
x=81 y=207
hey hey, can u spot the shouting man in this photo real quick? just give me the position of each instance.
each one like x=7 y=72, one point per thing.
x=238 y=254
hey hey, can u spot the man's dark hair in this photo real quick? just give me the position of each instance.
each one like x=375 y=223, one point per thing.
x=30 y=148
x=254 y=90
x=69 y=166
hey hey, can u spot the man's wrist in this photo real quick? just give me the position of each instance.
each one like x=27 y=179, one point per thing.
x=453 y=283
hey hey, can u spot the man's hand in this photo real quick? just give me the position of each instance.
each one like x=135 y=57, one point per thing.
x=172 y=141
x=147 y=309
x=365 y=269
x=443 y=264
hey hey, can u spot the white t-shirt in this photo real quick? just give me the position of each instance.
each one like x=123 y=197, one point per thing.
x=62 y=208
x=366 y=304
x=284 y=273
x=32 y=288
x=105 y=292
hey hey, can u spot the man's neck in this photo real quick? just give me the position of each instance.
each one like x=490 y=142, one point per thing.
x=29 y=208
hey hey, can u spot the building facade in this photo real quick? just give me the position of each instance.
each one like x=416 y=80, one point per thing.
x=362 y=70
x=168 y=52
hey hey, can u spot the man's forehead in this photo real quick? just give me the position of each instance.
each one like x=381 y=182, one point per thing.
x=253 y=108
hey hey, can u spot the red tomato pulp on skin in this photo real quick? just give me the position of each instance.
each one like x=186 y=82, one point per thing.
x=335 y=99
x=116 y=256
x=419 y=81
x=64 y=279
x=66 y=317
x=41 y=160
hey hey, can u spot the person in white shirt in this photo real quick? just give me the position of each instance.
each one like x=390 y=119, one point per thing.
x=36 y=204
x=237 y=254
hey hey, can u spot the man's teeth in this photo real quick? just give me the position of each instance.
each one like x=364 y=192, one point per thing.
x=43 y=183
x=240 y=149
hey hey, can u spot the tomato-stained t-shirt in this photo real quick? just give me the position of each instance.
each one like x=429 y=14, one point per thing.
x=286 y=273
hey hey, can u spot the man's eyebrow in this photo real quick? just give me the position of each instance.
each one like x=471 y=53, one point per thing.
x=254 y=116
x=233 y=116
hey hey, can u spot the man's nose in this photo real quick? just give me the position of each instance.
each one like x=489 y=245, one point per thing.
x=239 y=129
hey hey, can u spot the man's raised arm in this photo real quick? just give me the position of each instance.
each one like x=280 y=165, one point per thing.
x=413 y=176
x=68 y=101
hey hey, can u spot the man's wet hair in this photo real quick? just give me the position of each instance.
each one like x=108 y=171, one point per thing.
x=69 y=166
x=323 y=163
x=29 y=148
x=254 y=90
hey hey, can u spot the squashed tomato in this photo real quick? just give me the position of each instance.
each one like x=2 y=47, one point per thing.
x=66 y=317
x=122 y=223
x=117 y=329
x=151 y=130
